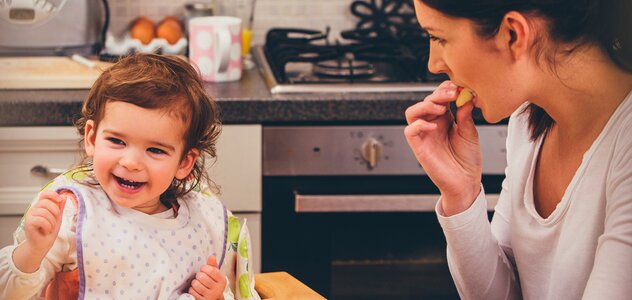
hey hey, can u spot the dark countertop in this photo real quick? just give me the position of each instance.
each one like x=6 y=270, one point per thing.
x=242 y=102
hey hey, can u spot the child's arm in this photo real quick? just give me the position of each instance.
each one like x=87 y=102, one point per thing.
x=209 y=282
x=42 y=225
x=25 y=268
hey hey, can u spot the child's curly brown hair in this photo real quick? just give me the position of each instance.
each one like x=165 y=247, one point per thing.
x=164 y=82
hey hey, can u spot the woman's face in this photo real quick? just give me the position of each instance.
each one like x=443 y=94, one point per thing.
x=481 y=64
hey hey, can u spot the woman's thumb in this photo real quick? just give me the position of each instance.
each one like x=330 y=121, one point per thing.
x=465 y=121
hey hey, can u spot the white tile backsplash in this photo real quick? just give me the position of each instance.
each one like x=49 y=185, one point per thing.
x=268 y=13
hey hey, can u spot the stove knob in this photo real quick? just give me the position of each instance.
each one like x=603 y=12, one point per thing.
x=372 y=151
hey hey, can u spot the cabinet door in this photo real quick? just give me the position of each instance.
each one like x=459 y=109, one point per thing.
x=237 y=169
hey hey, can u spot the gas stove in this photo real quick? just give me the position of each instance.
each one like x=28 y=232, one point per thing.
x=387 y=51
x=306 y=61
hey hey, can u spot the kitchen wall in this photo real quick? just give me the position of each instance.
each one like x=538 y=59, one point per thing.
x=313 y=14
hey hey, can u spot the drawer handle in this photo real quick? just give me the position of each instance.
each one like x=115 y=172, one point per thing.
x=44 y=171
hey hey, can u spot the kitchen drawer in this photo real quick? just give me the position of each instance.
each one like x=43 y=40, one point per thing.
x=21 y=149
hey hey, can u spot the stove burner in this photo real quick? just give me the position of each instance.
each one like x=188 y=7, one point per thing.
x=347 y=66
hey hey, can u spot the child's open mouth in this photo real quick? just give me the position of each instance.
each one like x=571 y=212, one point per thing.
x=128 y=184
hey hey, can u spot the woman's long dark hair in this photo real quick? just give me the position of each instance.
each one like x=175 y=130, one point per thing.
x=607 y=23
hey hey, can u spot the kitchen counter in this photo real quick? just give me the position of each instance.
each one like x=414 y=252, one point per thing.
x=244 y=101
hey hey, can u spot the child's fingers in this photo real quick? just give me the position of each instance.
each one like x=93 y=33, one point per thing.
x=67 y=196
x=40 y=224
x=44 y=219
x=212 y=261
x=213 y=272
x=50 y=195
x=195 y=294
x=204 y=279
x=200 y=287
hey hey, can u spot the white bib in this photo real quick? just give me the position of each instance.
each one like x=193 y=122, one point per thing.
x=126 y=254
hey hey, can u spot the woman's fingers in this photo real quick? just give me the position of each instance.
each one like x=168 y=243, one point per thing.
x=425 y=110
x=435 y=104
x=418 y=127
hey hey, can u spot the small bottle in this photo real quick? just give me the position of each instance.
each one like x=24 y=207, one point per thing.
x=198 y=9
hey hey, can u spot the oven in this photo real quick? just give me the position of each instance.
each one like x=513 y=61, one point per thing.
x=350 y=212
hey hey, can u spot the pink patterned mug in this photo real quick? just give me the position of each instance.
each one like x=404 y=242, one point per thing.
x=215 y=47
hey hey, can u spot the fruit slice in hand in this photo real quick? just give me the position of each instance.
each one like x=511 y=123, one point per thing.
x=464 y=96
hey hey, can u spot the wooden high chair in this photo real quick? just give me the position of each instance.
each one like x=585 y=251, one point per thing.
x=283 y=286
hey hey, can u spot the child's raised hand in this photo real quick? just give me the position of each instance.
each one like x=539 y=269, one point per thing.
x=209 y=283
x=43 y=221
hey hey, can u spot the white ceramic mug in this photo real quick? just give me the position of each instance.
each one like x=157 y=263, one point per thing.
x=215 y=47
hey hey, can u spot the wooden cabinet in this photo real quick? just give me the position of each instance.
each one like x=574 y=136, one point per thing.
x=31 y=156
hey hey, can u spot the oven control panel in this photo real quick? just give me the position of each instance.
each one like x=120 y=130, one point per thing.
x=359 y=150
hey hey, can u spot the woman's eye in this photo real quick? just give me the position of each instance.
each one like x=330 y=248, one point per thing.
x=115 y=141
x=436 y=39
x=156 y=151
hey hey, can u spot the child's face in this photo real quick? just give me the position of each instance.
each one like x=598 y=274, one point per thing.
x=136 y=154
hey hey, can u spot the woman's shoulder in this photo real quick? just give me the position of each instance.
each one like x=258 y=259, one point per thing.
x=618 y=137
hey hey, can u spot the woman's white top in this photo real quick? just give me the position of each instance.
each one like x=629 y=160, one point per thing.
x=583 y=250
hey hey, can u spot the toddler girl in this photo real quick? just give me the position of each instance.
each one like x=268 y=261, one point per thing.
x=140 y=223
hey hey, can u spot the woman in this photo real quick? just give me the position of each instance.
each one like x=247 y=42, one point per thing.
x=562 y=70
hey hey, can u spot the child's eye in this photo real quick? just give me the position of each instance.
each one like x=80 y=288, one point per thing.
x=156 y=151
x=115 y=141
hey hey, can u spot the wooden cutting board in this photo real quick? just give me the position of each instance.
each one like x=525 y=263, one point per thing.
x=46 y=72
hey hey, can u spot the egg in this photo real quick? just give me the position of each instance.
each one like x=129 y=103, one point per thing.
x=142 y=30
x=170 y=30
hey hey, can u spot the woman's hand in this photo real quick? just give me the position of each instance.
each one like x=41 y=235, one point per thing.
x=41 y=226
x=209 y=283
x=448 y=151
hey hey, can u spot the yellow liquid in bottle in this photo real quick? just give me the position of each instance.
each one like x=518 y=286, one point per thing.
x=246 y=37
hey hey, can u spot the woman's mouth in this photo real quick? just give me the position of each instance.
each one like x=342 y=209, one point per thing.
x=129 y=185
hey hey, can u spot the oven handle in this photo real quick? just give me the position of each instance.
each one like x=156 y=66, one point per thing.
x=372 y=203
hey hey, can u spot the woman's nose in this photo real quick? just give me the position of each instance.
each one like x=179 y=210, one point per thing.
x=131 y=160
x=436 y=64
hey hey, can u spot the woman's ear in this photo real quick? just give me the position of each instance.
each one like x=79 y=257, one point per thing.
x=515 y=34
x=187 y=163
x=89 y=137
